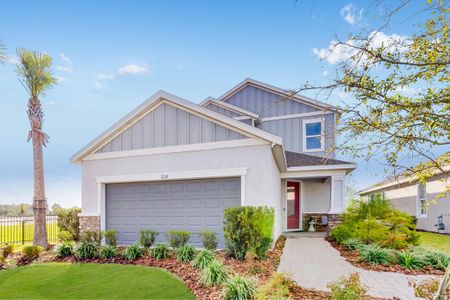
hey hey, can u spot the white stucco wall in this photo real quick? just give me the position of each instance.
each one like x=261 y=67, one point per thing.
x=262 y=182
x=316 y=195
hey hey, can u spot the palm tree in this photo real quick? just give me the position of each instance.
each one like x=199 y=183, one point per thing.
x=35 y=76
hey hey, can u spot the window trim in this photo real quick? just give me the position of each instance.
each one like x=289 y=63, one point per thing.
x=322 y=139
x=419 y=201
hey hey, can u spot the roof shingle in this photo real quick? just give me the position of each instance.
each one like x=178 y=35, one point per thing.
x=299 y=159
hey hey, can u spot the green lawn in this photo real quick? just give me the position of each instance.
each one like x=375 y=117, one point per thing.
x=90 y=281
x=435 y=241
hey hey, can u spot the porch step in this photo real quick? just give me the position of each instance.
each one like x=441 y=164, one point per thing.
x=300 y=234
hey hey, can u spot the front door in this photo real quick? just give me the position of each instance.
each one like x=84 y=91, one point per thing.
x=293 y=205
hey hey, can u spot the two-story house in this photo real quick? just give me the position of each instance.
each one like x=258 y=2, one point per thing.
x=173 y=164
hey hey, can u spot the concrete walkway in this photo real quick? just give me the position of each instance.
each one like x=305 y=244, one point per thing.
x=313 y=263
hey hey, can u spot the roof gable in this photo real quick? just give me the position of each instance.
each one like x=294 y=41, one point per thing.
x=223 y=126
x=264 y=99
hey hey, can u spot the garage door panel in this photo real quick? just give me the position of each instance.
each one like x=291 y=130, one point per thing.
x=193 y=205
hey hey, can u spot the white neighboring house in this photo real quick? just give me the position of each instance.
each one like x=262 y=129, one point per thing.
x=427 y=202
x=173 y=164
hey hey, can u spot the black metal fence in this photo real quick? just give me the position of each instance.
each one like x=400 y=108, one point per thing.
x=20 y=229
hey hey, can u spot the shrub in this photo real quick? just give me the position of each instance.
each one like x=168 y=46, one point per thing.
x=177 y=238
x=348 y=288
x=203 y=259
x=108 y=252
x=238 y=288
x=209 y=239
x=342 y=232
x=64 y=250
x=133 y=252
x=409 y=260
x=161 y=251
x=214 y=273
x=6 y=250
x=435 y=259
x=86 y=250
x=65 y=236
x=32 y=252
x=91 y=236
x=147 y=237
x=185 y=253
x=110 y=236
x=68 y=221
x=277 y=287
x=248 y=228
x=375 y=255
x=371 y=231
x=353 y=244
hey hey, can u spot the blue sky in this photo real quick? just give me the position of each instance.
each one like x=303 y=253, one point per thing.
x=110 y=56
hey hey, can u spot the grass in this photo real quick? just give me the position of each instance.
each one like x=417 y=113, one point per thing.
x=90 y=281
x=434 y=241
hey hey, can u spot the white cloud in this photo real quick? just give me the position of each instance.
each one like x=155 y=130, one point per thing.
x=336 y=53
x=132 y=69
x=60 y=78
x=10 y=59
x=348 y=12
x=67 y=67
x=129 y=69
x=325 y=73
x=98 y=86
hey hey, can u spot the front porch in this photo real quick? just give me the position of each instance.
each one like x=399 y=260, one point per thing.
x=316 y=196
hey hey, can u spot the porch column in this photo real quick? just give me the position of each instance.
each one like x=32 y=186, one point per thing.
x=337 y=200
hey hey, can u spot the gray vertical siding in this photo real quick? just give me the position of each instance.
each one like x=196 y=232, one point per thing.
x=222 y=110
x=291 y=131
x=169 y=126
x=267 y=104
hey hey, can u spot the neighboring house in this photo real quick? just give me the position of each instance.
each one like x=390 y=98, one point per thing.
x=174 y=164
x=429 y=202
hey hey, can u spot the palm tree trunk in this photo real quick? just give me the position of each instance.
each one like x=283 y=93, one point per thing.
x=39 y=139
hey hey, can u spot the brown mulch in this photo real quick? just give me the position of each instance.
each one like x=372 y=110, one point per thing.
x=352 y=256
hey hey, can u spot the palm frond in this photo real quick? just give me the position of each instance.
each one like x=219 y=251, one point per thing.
x=34 y=71
x=2 y=52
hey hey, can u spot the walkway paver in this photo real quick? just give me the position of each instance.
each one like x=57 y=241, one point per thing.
x=313 y=263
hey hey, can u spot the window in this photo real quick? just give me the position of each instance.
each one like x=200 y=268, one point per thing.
x=421 y=200
x=313 y=135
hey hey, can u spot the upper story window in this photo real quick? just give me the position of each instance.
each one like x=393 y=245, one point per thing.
x=422 y=200
x=313 y=135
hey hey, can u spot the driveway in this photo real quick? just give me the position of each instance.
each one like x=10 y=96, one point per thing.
x=313 y=263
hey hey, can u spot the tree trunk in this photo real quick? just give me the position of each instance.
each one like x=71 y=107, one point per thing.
x=39 y=139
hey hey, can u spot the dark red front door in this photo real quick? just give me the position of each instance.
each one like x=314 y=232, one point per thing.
x=293 y=205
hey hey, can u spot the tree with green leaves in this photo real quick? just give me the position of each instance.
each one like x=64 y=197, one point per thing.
x=36 y=77
x=401 y=89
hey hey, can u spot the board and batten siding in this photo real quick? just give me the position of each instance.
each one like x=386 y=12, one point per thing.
x=169 y=126
x=223 y=111
x=267 y=104
x=291 y=131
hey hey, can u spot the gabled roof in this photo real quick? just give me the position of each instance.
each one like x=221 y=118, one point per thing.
x=211 y=100
x=295 y=159
x=155 y=100
x=273 y=89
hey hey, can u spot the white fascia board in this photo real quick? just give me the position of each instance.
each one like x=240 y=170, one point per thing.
x=160 y=96
x=293 y=116
x=312 y=174
x=166 y=176
x=230 y=107
x=277 y=90
x=323 y=167
x=177 y=149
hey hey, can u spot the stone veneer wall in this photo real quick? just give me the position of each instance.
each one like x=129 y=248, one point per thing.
x=333 y=221
x=89 y=223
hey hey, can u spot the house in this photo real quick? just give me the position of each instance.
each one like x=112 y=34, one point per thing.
x=173 y=164
x=429 y=203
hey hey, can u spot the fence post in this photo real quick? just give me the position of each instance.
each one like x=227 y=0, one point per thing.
x=23 y=231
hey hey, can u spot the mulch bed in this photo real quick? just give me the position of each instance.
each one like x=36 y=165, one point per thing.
x=352 y=256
